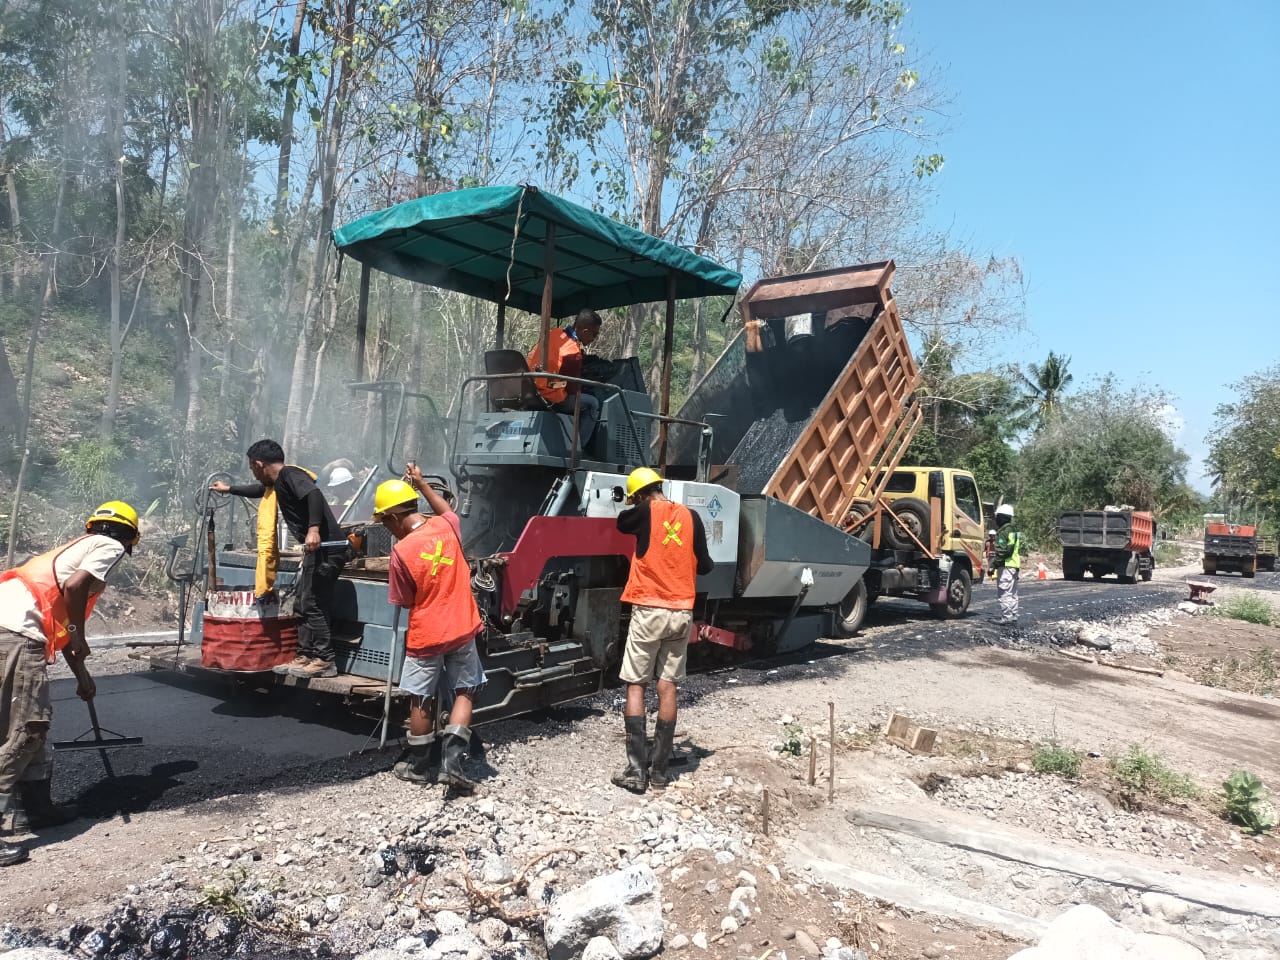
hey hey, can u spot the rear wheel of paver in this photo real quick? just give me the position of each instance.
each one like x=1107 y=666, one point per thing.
x=852 y=611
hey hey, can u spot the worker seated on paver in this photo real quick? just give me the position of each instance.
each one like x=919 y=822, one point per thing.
x=43 y=608
x=564 y=356
x=429 y=577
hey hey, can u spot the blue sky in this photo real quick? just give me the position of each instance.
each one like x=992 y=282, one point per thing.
x=1126 y=153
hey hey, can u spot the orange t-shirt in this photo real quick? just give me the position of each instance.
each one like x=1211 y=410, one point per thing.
x=443 y=615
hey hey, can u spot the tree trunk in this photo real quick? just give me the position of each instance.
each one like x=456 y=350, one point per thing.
x=10 y=406
x=15 y=218
x=117 y=250
x=48 y=285
x=286 y=126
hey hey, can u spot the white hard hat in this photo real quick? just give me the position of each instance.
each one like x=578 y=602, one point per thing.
x=1006 y=509
x=340 y=476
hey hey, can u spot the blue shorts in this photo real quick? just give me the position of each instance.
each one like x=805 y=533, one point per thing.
x=420 y=676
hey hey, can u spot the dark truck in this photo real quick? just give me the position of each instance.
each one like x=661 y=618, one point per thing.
x=1229 y=547
x=1266 y=553
x=1111 y=541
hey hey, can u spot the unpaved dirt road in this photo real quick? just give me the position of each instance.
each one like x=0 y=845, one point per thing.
x=213 y=768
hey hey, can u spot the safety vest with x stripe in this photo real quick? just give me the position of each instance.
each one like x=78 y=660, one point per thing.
x=444 y=615
x=665 y=572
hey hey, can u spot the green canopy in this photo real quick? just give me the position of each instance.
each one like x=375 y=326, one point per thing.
x=472 y=240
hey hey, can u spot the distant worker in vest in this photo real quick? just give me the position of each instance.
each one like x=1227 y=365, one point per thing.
x=671 y=552
x=43 y=608
x=564 y=356
x=429 y=577
x=291 y=492
x=1007 y=564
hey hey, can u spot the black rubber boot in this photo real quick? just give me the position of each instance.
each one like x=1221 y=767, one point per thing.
x=634 y=776
x=416 y=768
x=664 y=732
x=10 y=853
x=34 y=808
x=456 y=740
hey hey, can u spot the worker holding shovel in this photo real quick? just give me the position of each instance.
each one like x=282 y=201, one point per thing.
x=43 y=608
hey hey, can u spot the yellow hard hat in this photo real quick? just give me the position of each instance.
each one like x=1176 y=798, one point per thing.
x=640 y=478
x=392 y=493
x=116 y=511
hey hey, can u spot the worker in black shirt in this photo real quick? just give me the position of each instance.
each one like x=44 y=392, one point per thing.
x=294 y=493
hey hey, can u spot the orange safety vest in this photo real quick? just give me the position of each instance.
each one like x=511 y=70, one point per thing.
x=667 y=575
x=39 y=575
x=562 y=346
x=444 y=615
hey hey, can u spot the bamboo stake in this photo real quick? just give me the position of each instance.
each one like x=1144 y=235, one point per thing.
x=831 y=781
x=813 y=760
x=764 y=810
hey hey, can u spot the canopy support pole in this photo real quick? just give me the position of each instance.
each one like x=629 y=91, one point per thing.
x=668 y=346
x=548 y=270
x=362 y=320
x=502 y=326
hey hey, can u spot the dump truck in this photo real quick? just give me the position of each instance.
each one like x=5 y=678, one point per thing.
x=1112 y=541
x=793 y=435
x=1229 y=547
x=1266 y=555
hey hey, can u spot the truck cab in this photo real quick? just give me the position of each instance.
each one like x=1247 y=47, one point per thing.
x=925 y=529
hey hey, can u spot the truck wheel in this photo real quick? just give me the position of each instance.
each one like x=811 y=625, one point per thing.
x=914 y=516
x=959 y=593
x=1210 y=568
x=1248 y=571
x=1072 y=568
x=1146 y=575
x=852 y=611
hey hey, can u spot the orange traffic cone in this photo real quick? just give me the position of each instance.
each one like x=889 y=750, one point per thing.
x=1041 y=572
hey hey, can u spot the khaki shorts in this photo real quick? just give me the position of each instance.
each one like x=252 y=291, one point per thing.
x=657 y=645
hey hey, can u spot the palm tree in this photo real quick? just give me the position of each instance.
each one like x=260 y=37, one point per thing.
x=1044 y=385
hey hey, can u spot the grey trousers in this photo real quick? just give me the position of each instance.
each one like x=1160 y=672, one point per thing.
x=1007 y=593
x=25 y=711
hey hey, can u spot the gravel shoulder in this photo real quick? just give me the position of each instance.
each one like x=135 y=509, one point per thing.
x=310 y=859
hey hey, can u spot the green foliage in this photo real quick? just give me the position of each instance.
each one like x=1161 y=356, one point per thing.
x=1246 y=804
x=1244 y=459
x=1045 y=383
x=792 y=740
x=1057 y=759
x=90 y=469
x=1102 y=446
x=1141 y=775
x=1248 y=607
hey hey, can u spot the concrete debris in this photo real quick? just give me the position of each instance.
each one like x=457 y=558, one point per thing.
x=625 y=905
x=35 y=953
x=600 y=948
x=1085 y=931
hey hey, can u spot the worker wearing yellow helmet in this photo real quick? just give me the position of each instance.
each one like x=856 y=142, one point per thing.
x=44 y=605
x=428 y=576
x=671 y=551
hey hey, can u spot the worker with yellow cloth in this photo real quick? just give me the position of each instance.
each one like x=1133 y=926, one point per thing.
x=291 y=492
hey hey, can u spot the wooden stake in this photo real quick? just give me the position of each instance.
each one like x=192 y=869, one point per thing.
x=831 y=774
x=813 y=760
x=764 y=810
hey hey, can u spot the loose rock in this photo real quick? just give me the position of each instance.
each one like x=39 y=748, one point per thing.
x=625 y=906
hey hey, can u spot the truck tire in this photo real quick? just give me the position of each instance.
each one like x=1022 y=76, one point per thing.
x=1072 y=568
x=959 y=593
x=1247 y=570
x=857 y=521
x=852 y=611
x=914 y=514
x=1210 y=568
